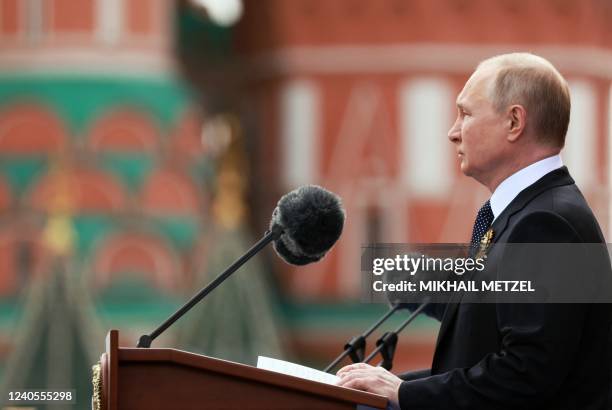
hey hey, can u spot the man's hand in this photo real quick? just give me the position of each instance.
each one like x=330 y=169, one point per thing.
x=372 y=379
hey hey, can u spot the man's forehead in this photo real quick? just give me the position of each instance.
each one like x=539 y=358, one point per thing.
x=476 y=85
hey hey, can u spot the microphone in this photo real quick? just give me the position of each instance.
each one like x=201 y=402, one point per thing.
x=311 y=219
x=305 y=225
x=388 y=341
x=355 y=348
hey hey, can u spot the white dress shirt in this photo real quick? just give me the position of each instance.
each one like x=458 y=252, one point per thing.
x=517 y=182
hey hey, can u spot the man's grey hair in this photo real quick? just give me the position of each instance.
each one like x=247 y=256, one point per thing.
x=534 y=83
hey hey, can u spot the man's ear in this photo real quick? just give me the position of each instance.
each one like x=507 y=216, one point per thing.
x=517 y=120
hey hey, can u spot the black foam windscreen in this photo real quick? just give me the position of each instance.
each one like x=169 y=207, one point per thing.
x=311 y=219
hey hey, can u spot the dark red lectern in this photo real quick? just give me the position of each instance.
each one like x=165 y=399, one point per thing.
x=132 y=378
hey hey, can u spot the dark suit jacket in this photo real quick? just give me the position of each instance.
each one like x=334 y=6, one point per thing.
x=523 y=356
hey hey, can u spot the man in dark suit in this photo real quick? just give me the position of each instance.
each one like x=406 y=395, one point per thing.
x=513 y=115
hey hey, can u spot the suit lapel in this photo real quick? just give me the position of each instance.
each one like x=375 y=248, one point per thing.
x=553 y=179
x=558 y=177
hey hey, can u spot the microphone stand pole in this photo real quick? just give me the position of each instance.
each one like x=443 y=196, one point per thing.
x=356 y=346
x=388 y=341
x=269 y=236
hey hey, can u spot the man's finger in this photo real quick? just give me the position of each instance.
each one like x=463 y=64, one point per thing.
x=355 y=366
x=361 y=382
x=358 y=375
x=352 y=367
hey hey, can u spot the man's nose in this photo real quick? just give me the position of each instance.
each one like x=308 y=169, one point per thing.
x=454 y=134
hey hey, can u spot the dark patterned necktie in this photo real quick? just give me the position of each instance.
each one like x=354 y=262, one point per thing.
x=481 y=225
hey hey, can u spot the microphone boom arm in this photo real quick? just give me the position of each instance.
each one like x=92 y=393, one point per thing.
x=356 y=346
x=386 y=344
x=270 y=235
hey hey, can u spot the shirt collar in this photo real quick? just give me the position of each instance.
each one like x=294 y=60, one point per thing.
x=515 y=183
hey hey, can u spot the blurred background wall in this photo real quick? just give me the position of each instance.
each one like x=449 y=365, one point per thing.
x=144 y=144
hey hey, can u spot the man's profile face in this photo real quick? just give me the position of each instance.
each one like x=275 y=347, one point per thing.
x=478 y=132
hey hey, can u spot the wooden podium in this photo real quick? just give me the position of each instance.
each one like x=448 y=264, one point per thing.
x=132 y=378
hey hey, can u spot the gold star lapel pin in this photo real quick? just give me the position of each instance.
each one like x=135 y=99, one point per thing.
x=485 y=242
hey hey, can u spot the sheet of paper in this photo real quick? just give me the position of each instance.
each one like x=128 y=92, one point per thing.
x=292 y=369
